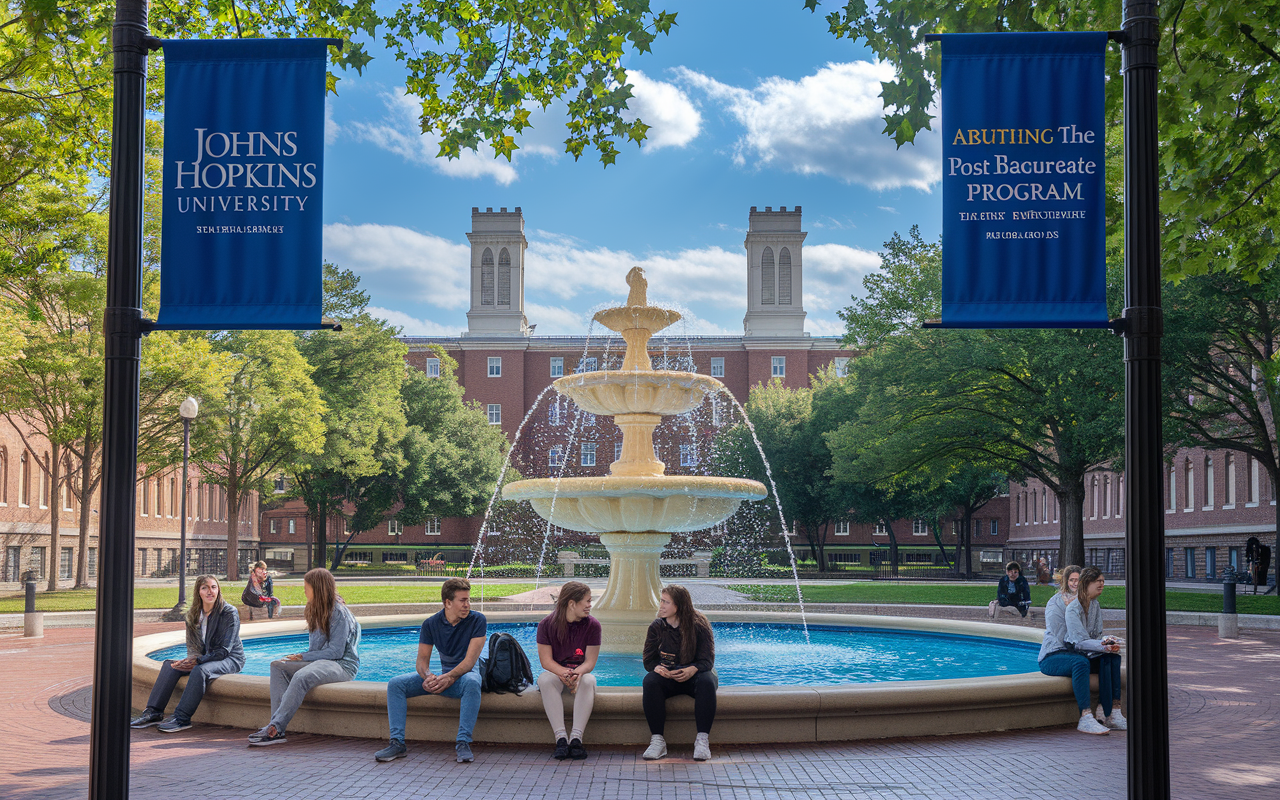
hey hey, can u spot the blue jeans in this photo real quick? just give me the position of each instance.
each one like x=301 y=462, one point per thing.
x=1107 y=666
x=198 y=679
x=466 y=689
x=1076 y=667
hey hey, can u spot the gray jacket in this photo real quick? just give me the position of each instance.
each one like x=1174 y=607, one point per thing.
x=1085 y=637
x=1055 y=627
x=340 y=645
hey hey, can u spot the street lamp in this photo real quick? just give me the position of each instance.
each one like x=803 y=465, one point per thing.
x=187 y=411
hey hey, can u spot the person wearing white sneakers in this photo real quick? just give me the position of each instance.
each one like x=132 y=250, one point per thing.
x=568 y=648
x=1085 y=634
x=1056 y=656
x=679 y=655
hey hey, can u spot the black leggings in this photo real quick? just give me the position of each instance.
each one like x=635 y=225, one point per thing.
x=702 y=687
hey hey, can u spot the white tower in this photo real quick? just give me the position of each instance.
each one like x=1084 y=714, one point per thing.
x=775 y=289
x=497 y=273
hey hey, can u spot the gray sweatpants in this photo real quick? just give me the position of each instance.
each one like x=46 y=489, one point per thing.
x=290 y=682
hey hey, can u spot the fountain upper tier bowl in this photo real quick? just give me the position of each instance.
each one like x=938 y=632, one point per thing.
x=635 y=504
x=638 y=392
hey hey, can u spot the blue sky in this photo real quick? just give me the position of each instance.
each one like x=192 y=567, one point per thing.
x=750 y=103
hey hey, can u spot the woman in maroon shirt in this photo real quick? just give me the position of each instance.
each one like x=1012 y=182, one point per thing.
x=568 y=646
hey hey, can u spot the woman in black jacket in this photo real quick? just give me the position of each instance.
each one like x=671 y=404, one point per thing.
x=213 y=649
x=679 y=655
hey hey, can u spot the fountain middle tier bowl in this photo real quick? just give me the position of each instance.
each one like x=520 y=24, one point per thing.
x=607 y=504
x=638 y=391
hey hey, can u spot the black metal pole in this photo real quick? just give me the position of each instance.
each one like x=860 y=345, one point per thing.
x=1148 y=682
x=113 y=646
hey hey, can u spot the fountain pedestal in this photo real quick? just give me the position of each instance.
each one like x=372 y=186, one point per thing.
x=637 y=507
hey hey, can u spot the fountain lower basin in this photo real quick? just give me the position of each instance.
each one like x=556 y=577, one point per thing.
x=786 y=713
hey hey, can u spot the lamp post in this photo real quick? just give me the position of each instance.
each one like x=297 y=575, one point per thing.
x=187 y=411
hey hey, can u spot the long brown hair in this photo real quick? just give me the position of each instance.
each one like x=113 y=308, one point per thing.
x=193 y=613
x=324 y=593
x=689 y=620
x=571 y=592
x=1065 y=573
x=1088 y=576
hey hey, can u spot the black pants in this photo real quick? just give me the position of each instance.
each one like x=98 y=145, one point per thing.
x=702 y=687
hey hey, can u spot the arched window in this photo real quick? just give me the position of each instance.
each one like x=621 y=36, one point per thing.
x=1093 y=489
x=1106 y=495
x=1208 y=482
x=1173 y=487
x=24 y=480
x=44 y=483
x=766 y=277
x=784 y=277
x=66 y=494
x=1231 y=479
x=1044 y=505
x=4 y=476
x=486 y=277
x=1189 y=473
x=504 y=278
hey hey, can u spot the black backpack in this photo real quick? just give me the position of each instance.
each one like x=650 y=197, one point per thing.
x=508 y=668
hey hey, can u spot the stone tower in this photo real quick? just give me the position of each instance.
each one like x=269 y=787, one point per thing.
x=497 y=273
x=775 y=296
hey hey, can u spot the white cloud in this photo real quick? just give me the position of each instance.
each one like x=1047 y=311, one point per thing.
x=412 y=326
x=665 y=108
x=833 y=274
x=827 y=123
x=331 y=128
x=396 y=263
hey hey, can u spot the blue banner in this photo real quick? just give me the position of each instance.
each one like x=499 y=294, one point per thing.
x=243 y=169
x=1023 y=234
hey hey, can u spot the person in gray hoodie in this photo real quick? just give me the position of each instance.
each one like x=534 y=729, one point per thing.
x=331 y=656
x=1085 y=635
x=1058 y=658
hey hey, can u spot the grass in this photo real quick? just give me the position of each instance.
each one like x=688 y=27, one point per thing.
x=166 y=597
x=923 y=594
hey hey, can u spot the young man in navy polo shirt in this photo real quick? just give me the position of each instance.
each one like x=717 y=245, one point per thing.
x=458 y=633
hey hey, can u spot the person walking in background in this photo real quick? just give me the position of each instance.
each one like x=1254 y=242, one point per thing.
x=1085 y=635
x=213 y=649
x=679 y=656
x=1012 y=592
x=1057 y=657
x=332 y=655
x=458 y=633
x=258 y=592
x=568 y=647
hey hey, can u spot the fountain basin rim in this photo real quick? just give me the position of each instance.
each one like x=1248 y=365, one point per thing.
x=745 y=714
x=631 y=486
x=618 y=317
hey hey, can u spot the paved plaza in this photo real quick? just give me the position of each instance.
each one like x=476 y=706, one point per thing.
x=1224 y=719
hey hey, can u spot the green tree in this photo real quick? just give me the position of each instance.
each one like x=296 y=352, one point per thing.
x=268 y=413
x=1218 y=103
x=1222 y=367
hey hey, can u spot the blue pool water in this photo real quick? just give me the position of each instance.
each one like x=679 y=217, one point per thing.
x=747 y=654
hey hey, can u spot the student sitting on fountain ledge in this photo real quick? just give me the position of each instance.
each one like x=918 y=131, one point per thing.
x=1013 y=591
x=568 y=647
x=459 y=634
x=679 y=653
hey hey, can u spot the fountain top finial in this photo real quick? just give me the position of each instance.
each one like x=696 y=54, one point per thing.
x=638 y=296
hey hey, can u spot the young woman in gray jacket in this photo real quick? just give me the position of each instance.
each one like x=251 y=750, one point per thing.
x=1085 y=635
x=330 y=658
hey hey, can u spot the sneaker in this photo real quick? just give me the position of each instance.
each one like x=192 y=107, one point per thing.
x=391 y=752
x=702 y=747
x=146 y=719
x=1090 y=725
x=173 y=725
x=1116 y=721
x=657 y=748
x=262 y=738
x=576 y=750
x=562 y=749
x=991 y=610
x=464 y=752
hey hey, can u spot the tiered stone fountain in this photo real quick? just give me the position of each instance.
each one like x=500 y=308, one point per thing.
x=636 y=507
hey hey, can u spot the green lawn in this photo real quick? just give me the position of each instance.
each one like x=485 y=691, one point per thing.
x=165 y=597
x=924 y=594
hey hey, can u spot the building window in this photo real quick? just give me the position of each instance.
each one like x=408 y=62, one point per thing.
x=280 y=484
x=995 y=527
x=557 y=367
x=173 y=496
x=1233 y=558
x=24 y=480
x=617 y=450
x=717 y=367
x=13 y=564
x=1253 y=481
x=842 y=367
x=486 y=277
x=1189 y=555
x=784 y=277
x=93 y=562
x=1093 y=489
x=716 y=415
x=271 y=526
x=1168 y=561
x=842 y=527
x=495 y=366
x=587 y=364
x=433 y=368
x=4 y=476
x=1189 y=473
x=145 y=505
x=159 y=498
x=766 y=277
x=1211 y=562
x=44 y=483
x=688 y=456
x=65 y=562
x=395 y=527
x=38 y=562
x=504 y=277
x=881 y=529
x=293 y=526
x=1231 y=481
x=432 y=527
x=1106 y=496
x=779 y=364
x=919 y=527
x=555 y=457
x=1208 y=484
x=495 y=414
x=588 y=454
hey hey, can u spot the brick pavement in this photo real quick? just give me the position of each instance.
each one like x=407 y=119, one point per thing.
x=1225 y=720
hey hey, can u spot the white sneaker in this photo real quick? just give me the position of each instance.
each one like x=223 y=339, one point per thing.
x=657 y=749
x=702 y=747
x=1116 y=721
x=1090 y=725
